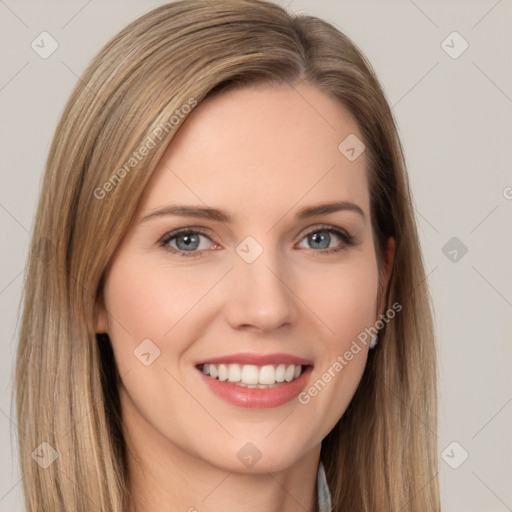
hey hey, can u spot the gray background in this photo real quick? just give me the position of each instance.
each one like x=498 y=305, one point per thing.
x=454 y=117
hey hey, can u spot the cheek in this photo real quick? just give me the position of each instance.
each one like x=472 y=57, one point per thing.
x=344 y=299
x=147 y=299
x=141 y=305
x=345 y=304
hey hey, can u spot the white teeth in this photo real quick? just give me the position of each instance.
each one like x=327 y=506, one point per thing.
x=223 y=372
x=288 y=374
x=252 y=376
x=214 y=372
x=249 y=374
x=268 y=374
x=234 y=373
x=280 y=373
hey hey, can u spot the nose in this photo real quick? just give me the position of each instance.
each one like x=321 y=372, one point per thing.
x=261 y=296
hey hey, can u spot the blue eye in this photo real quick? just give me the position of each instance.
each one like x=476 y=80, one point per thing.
x=321 y=237
x=188 y=241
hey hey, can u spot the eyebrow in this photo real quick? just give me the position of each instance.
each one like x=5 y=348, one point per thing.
x=222 y=216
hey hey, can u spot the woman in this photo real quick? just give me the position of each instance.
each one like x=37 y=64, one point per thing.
x=231 y=310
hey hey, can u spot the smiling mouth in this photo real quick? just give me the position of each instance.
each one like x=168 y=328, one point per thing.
x=253 y=376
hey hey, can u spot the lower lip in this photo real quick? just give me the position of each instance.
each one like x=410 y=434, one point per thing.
x=255 y=397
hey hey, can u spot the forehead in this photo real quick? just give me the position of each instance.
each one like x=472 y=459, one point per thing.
x=257 y=149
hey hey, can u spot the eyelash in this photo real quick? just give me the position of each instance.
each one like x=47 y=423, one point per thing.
x=348 y=240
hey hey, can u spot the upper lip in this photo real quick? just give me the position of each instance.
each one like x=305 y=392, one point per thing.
x=257 y=359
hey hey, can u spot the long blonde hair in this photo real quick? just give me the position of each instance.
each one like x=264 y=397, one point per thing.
x=382 y=454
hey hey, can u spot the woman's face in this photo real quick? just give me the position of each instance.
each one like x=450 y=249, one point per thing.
x=254 y=284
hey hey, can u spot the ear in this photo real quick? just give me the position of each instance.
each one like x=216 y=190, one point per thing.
x=101 y=317
x=387 y=267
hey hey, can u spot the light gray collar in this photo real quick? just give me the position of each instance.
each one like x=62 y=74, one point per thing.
x=324 y=495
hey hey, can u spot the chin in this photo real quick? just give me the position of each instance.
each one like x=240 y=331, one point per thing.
x=266 y=454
